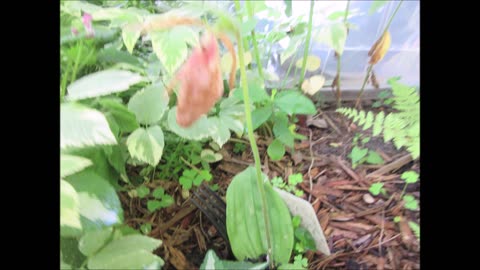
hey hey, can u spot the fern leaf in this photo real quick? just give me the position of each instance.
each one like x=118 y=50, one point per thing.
x=368 y=121
x=388 y=128
x=378 y=125
x=361 y=118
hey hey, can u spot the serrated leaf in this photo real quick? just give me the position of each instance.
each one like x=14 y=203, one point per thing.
x=99 y=205
x=375 y=188
x=142 y=191
x=130 y=34
x=153 y=205
x=368 y=121
x=276 y=150
x=313 y=63
x=378 y=124
x=81 y=126
x=261 y=115
x=69 y=206
x=186 y=182
x=149 y=104
x=122 y=115
x=245 y=221
x=201 y=129
x=171 y=46
x=223 y=133
x=128 y=252
x=158 y=193
x=357 y=154
x=166 y=201
x=146 y=144
x=410 y=202
x=102 y=83
x=281 y=130
x=91 y=242
x=374 y=158
x=70 y=164
x=294 y=102
x=210 y=156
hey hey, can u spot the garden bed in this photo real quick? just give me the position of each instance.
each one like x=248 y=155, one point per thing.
x=359 y=227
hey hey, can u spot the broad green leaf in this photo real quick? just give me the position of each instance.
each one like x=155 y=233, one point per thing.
x=212 y=262
x=166 y=201
x=261 y=115
x=245 y=221
x=374 y=158
x=98 y=202
x=281 y=130
x=146 y=144
x=334 y=36
x=70 y=164
x=114 y=55
x=102 y=83
x=294 y=102
x=69 y=252
x=128 y=252
x=376 y=5
x=124 y=118
x=376 y=188
x=149 y=104
x=81 y=126
x=99 y=158
x=357 y=154
x=313 y=63
x=69 y=206
x=410 y=177
x=276 y=150
x=171 y=46
x=92 y=241
x=201 y=129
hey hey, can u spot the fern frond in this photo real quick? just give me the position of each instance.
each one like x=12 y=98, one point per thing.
x=378 y=124
x=368 y=121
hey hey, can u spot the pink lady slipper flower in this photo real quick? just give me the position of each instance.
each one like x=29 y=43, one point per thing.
x=87 y=22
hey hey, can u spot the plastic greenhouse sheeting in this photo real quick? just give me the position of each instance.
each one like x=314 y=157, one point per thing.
x=402 y=59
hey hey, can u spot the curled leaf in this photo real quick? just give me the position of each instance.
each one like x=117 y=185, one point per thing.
x=380 y=48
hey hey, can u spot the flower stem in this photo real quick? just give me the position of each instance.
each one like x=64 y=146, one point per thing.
x=253 y=144
x=307 y=43
x=254 y=41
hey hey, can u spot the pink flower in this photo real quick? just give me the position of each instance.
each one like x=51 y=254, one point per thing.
x=87 y=22
x=74 y=31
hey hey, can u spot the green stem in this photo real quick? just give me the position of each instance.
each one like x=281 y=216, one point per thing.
x=307 y=43
x=359 y=98
x=77 y=61
x=391 y=17
x=253 y=145
x=254 y=41
x=339 y=60
x=371 y=66
x=403 y=191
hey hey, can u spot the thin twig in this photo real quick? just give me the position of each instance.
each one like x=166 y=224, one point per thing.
x=311 y=165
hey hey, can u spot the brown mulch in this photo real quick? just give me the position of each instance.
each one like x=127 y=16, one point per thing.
x=359 y=227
